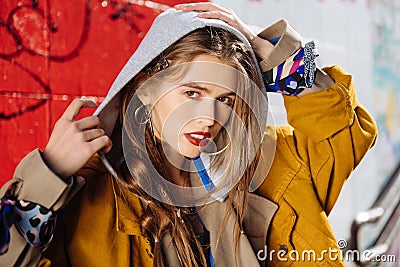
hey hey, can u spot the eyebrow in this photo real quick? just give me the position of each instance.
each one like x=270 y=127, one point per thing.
x=205 y=89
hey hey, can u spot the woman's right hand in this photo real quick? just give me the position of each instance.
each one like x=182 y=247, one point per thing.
x=213 y=11
x=72 y=143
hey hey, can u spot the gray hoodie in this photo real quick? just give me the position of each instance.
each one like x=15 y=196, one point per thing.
x=158 y=39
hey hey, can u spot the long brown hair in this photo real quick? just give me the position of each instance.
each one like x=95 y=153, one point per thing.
x=159 y=218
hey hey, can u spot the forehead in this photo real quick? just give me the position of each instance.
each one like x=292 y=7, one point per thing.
x=213 y=69
x=205 y=69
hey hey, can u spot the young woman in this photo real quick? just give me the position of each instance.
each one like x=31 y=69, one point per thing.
x=187 y=171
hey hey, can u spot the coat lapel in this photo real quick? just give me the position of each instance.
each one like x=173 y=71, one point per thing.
x=257 y=219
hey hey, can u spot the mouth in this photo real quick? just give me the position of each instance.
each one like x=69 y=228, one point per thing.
x=198 y=138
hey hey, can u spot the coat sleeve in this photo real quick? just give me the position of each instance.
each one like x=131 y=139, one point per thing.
x=34 y=182
x=332 y=133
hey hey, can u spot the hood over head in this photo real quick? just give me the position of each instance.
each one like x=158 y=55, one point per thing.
x=166 y=29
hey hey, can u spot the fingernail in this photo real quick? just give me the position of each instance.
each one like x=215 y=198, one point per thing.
x=84 y=98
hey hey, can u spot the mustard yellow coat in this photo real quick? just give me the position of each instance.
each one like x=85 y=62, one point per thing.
x=330 y=133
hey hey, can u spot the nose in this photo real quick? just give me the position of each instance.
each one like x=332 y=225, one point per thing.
x=207 y=116
x=206 y=121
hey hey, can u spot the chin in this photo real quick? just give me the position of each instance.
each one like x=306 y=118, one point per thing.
x=189 y=152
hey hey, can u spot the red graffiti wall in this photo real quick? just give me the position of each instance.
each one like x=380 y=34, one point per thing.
x=54 y=51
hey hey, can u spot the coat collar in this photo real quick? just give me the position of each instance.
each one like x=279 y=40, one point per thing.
x=128 y=208
x=128 y=211
x=259 y=211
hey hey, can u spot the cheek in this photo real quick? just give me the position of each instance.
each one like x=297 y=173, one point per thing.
x=159 y=114
x=163 y=116
x=222 y=113
x=217 y=128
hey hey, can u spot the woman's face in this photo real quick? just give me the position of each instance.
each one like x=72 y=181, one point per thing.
x=190 y=116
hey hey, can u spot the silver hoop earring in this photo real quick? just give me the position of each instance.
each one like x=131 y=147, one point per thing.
x=151 y=126
x=220 y=151
x=136 y=114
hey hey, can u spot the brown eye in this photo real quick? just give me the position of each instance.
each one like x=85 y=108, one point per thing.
x=192 y=94
x=226 y=100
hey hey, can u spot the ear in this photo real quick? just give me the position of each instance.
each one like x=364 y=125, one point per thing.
x=144 y=97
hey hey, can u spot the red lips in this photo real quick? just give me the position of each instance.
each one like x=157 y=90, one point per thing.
x=198 y=138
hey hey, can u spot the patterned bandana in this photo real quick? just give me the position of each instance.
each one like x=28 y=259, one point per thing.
x=295 y=74
x=34 y=222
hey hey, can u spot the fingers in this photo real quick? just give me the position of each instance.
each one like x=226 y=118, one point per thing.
x=102 y=143
x=92 y=134
x=201 y=7
x=217 y=15
x=88 y=123
x=214 y=11
x=75 y=107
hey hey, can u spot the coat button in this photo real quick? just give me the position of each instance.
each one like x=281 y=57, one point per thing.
x=284 y=249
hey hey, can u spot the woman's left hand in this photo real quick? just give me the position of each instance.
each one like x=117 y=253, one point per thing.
x=214 y=11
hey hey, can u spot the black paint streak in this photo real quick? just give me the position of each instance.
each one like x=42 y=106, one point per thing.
x=22 y=111
x=124 y=11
